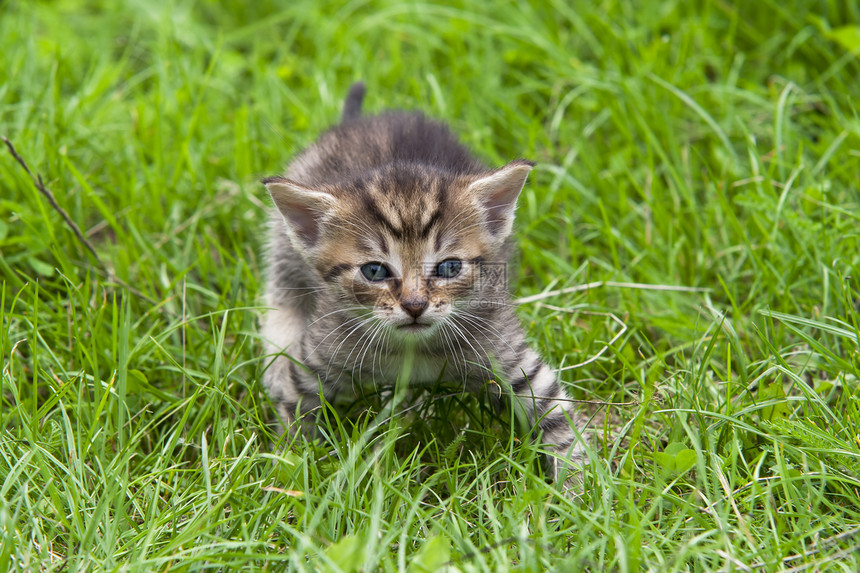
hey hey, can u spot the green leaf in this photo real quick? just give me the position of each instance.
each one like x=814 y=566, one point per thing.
x=665 y=461
x=685 y=460
x=42 y=268
x=675 y=460
x=846 y=36
x=348 y=553
x=432 y=556
x=675 y=447
x=773 y=391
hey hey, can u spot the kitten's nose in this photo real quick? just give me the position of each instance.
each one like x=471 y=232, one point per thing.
x=414 y=305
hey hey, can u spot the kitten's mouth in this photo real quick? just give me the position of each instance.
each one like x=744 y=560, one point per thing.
x=414 y=327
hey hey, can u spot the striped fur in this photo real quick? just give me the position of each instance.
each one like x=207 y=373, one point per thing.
x=399 y=190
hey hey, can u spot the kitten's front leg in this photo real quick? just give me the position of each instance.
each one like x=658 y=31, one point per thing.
x=295 y=392
x=536 y=389
x=296 y=408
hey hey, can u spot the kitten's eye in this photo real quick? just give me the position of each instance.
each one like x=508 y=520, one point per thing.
x=375 y=272
x=449 y=269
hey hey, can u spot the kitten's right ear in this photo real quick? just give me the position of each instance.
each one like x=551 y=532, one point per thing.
x=302 y=207
x=498 y=192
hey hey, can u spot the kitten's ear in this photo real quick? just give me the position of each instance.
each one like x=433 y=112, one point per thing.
x=498 y=194
x=302 y=207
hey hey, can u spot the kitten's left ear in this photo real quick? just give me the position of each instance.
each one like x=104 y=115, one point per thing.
x=498 y=194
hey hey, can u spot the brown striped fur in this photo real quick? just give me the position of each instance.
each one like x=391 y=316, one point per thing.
x=398 y=189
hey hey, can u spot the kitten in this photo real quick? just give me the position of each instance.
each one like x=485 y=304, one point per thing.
x=388 y=234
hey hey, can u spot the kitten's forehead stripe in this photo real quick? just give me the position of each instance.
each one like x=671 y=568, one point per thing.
x=383 y=245
x=404 y=217
x=373 y=210
x=434 y=220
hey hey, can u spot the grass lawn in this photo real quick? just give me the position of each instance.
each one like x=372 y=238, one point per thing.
x=696 y=194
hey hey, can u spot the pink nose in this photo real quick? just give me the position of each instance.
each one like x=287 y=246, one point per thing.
x=414 y=305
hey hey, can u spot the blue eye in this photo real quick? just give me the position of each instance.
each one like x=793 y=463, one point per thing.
x=375 y=272
x=449 y=269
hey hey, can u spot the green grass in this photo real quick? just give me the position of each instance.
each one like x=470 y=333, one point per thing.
x=713 y=145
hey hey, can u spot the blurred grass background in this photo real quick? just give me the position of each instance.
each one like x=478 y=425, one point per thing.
x=710 y=145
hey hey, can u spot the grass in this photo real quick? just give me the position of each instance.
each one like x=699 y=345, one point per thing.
x=710 y=145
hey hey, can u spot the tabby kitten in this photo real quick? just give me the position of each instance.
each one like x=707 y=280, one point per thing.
x=388 y=234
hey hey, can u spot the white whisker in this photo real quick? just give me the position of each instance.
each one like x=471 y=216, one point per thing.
x=485 y=326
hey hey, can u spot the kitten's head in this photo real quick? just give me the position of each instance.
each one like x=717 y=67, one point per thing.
x=405 y=245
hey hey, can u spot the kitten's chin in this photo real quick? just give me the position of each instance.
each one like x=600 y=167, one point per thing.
x=415 y=329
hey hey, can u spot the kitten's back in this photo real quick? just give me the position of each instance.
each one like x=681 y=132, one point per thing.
x=361 y=144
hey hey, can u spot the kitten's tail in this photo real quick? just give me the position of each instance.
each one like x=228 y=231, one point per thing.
x=352 y=105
